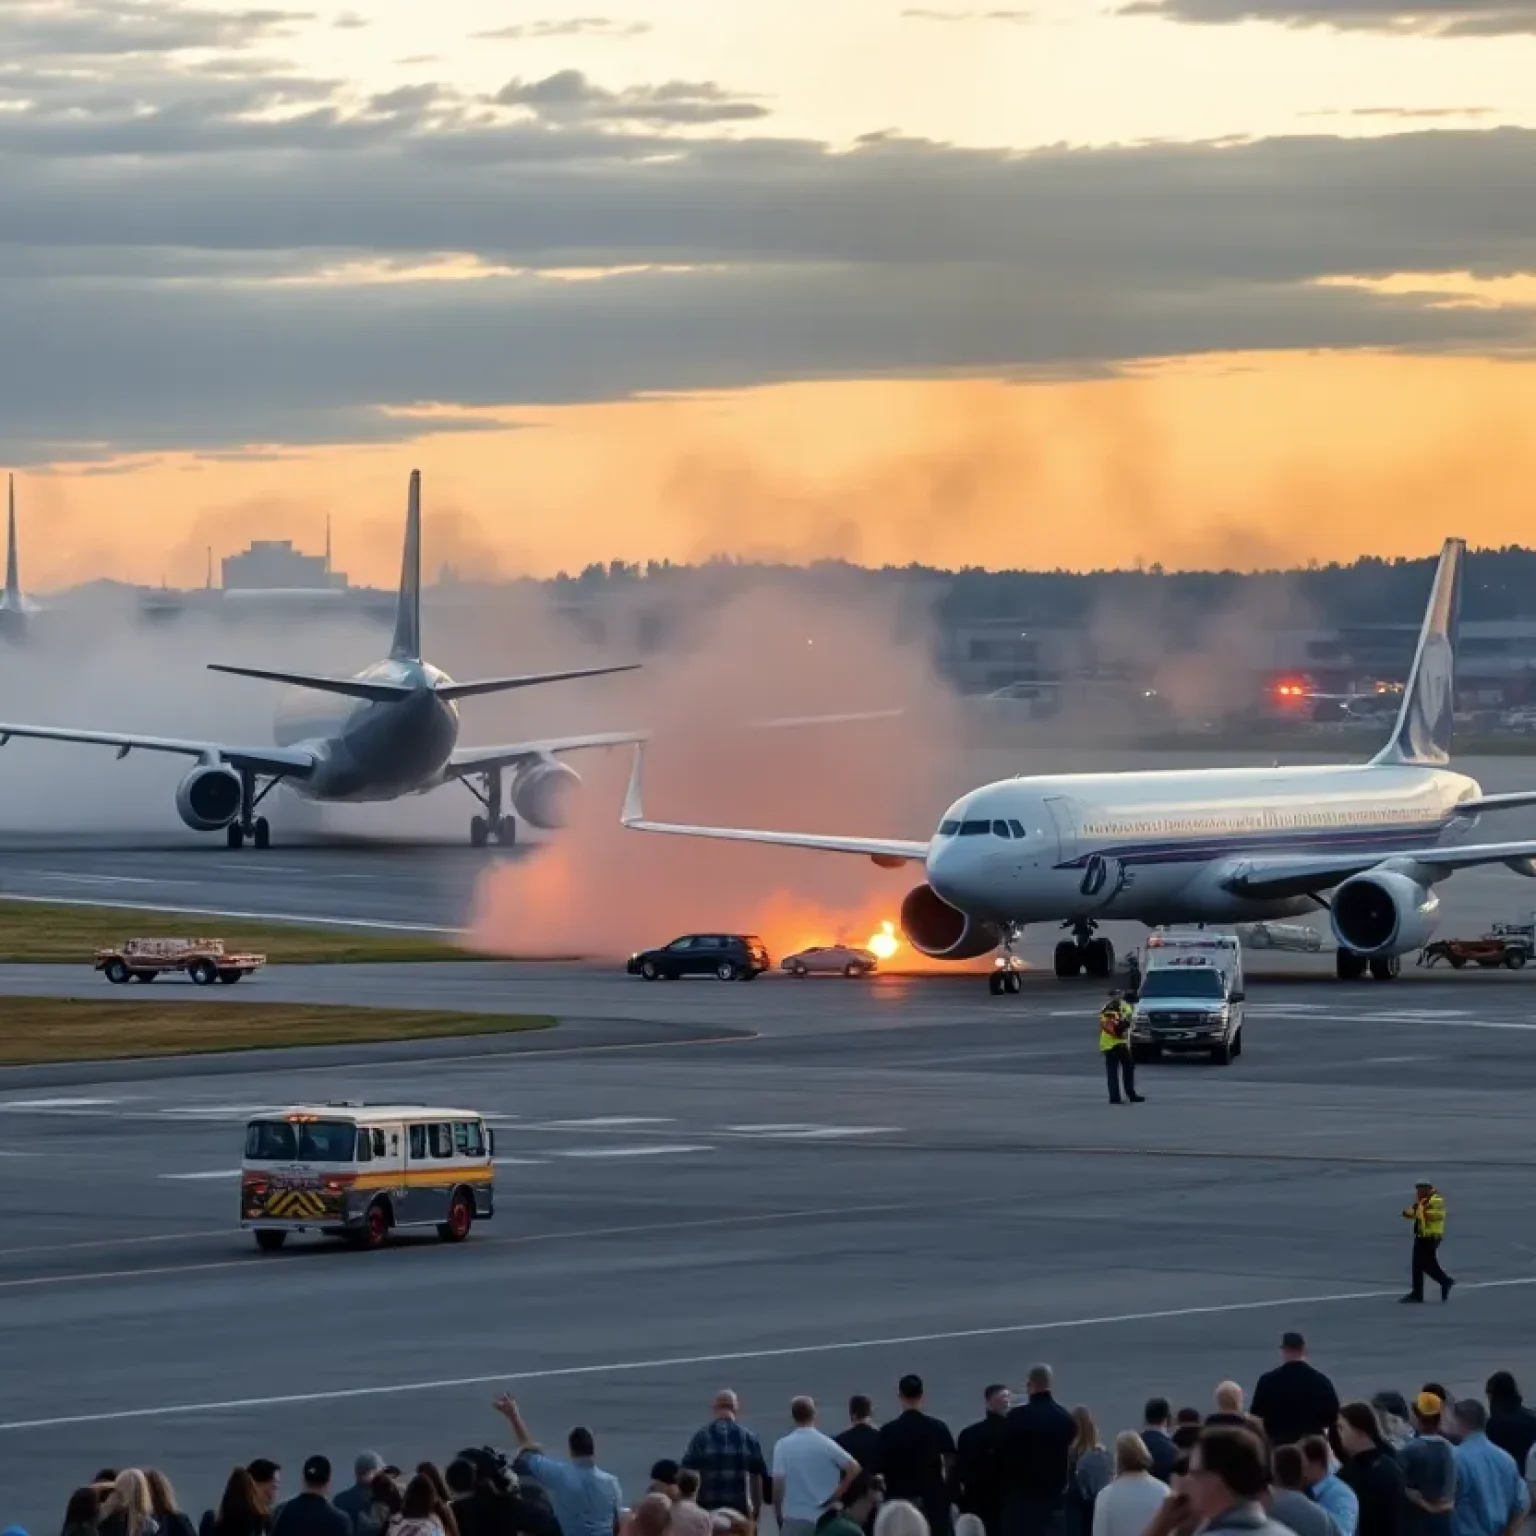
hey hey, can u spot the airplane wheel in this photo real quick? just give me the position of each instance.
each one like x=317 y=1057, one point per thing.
x=1385 y=968
x=506 y=831
x=1069 y=959
x=1015 y=982
x=1099 y=957
x=234 y=835
x=1349 y=965
x=262 y=833
x=995 y=983
x=479 y=830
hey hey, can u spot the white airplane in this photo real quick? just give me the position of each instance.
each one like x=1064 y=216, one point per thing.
x=15 y=605
x=1368 y=842
x=391 y=730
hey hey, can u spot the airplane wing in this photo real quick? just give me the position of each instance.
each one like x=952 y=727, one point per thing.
x=1277 y=877
x=888 y=852
x=1514 y=801
x=291 y=762
x=471 y=760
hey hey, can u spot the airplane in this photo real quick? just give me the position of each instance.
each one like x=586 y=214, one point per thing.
x=1367 y=842
x=394 y=732
x=15 y=605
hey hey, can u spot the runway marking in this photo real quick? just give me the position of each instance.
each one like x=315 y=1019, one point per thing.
x=1392 y=1061
x=520 y=1162
x=219 y=1111
x=595 y=1122
x=623 y=1151
x=302 y=919
x=727 y=1357
x=212 y=1173
x=55 y=1103
x=800 y=1132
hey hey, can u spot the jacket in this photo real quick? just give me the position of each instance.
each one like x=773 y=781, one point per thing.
x=1295 y=1400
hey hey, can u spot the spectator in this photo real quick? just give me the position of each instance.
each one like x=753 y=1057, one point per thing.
x=1189 y=1416
x=82 y=1512
x=689 y=1518
x=1511 y=1425
x=1429 y=1472
x=1289 y=1502
x=309 y=1512
x=587 y=1501
x=1372 y=1471
x=356 y=1502
x=664 y=1478
x=1491 y=1495
x=898 y=1518
x=729 y=1460
x=977 y=1483
x=859 y=1513
x=810 y=1472
x=650 y=1517
x=422 y=1512
x=169 y=1516
x=488 y=1501
x=268 y=1477
x=1090 y=1467
x=1227 y=1478
x=916 y=1455
x=1448 y=1414
x=492 y=1470
x=1295 y=1399
x=1037 y=1446
x=1229 y=1408
x=1328 y=1488
x=861 y=1440
x=1157 y=1437
x=126 y=1510
x=387 y=1501
x=1395 y=1420
x=1128 y=1504
x=1185 y=1438
x=429 y=1470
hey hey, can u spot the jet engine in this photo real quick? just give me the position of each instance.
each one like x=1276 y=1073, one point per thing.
x=942 y=932
x=1384 y=913
x=209 y=798
x=541 y=793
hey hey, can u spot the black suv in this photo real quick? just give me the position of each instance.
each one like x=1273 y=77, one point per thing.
x=726 y=956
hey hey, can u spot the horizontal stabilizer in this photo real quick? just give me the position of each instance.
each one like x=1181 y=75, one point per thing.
x=350 y=687
x=528 y=680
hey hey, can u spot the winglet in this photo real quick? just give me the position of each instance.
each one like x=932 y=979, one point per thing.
x=1422 y=735
x=633 y=811
x=407 y=643
x=12 y=576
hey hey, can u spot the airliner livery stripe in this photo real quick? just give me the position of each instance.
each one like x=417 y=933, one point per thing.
x=1194 y=847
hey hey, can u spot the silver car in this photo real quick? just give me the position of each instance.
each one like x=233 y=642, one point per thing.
x=832 y=959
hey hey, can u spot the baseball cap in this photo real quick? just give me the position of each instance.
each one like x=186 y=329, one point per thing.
x=1428 y=1405
x=317 y=1470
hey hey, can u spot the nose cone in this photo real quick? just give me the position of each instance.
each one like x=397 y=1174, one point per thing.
x=953 y=869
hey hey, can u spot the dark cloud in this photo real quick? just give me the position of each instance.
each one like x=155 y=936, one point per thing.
x=569 y=95
x=1433 y=18
x=571 y=26
x=104 y=28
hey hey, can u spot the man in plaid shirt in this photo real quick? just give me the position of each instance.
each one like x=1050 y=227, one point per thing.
x=729 y=1461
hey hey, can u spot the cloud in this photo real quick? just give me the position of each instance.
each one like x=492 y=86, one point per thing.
x=568 y=95
x=103 y=28
x=1404 y=113
x=1433 y=18
x=923 y=13
x=571 y=26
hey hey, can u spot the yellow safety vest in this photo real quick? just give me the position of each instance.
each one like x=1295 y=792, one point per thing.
x=1428 y=1216
x=1114 y=1026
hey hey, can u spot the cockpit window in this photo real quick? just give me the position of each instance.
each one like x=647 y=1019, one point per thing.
x=948 y=828
x=1000 y=829
x=1018 y=828
x=975 y=828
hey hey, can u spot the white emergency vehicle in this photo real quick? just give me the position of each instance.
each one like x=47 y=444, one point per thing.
x=1190 y=997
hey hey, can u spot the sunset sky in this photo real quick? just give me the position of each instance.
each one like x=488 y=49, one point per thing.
x=1018 y=283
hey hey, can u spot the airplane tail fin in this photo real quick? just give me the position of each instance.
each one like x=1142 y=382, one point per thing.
x=1422 y=735
x=407 y=643
x=12 y=575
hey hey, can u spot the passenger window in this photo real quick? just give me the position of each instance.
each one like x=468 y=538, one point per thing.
x=680 y=944
x=467 y=1141
x=378 y=1144
x=1018 y=828
x=441 y=1139
x=364 y=1147
x=418 y=1142
x=1000 y=829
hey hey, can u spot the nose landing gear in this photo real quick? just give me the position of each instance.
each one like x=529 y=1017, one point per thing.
x=1007 y=969
x=1083 y=954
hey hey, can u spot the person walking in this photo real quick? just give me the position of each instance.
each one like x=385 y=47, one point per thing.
x=1115 y=1047
x=1427 y=1213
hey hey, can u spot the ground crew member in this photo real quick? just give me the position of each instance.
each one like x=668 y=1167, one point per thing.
x=1427 y=1213
x=1115 y=1046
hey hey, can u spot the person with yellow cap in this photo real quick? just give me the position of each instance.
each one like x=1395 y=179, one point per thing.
x=1427 y=1213
x=1115 y=1047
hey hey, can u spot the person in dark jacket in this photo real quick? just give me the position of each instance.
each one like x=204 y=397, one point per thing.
x=1037 y=1450
x=310 y=1512
x=1511 y=1425
x=977 y=1483
x=1295 y=1399
x=485 y=1503
x=1372 y=1472
x=861 y=1440
x=915 y=1455
x=1157 y=1436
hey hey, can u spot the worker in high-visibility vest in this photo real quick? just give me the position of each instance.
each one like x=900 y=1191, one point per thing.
x=1427 y=1213
x=1115 y=1047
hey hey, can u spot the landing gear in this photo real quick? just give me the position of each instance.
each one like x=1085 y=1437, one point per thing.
x=482 y=829
x=1008 y=970
x=248 y=825
x=1349 y=965
x=1386 y=968
x=1083 y=954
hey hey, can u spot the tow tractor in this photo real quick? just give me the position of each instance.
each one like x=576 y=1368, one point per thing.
x=204 y=960
x=1489 y=952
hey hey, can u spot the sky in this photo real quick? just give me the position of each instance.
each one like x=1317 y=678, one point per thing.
x=1020 y=283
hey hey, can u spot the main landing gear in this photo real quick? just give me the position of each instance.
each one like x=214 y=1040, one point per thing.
x=1007 y=969
x=482 y=829
x=1083 y=954
x=248 y=826
x=1350 y=965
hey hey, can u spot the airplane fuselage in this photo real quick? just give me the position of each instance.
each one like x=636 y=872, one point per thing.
x=1157 y=847
x=366 y=750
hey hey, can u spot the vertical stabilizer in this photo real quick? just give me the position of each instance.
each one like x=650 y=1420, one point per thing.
x=12 y=575
x=1422 y=735
x=407 y=646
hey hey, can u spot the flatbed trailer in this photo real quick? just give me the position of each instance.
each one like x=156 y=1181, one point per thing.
x=204 y=960
x=1490 y=952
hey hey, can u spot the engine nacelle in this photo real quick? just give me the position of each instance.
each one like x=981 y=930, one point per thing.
x=541 y=793
x=942 y=932
x=1384 y=913
x=209 y=798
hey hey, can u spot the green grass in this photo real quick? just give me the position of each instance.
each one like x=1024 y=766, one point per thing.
x=42 y=932
x=38 y=1030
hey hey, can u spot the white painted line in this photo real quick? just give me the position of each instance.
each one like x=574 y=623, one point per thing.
x=520 y=1162
x=303 y=920
x=54 y=1103
x=598 y=1121
x=1392 y=1061
x=212 y=1173
x=732 y=1357
x=624 y=1151
x=218 y=1111
x=4 y=1153
x=824 y=1132
x=772 y=1129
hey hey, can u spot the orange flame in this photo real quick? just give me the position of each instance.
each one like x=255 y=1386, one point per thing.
x=885 y=943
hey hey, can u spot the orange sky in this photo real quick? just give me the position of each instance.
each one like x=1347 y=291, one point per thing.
x=1248 y=460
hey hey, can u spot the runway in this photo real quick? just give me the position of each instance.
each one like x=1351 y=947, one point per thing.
x=849 y=1182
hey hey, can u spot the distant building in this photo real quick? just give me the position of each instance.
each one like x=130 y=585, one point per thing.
x=275 y=565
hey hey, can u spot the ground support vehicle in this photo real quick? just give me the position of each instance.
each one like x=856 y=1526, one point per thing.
x=204 y=960
x=1489 y=952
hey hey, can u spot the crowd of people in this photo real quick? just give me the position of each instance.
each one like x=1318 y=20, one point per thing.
x=1289 y=1460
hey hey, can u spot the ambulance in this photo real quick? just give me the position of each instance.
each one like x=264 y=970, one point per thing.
x=1190 y=997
